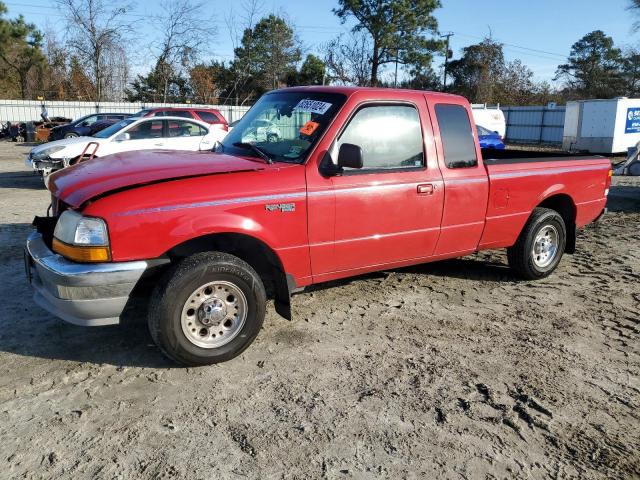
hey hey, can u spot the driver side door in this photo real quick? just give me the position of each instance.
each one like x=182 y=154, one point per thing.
x=388 y=211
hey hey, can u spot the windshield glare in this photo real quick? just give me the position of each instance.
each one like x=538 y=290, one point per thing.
x=115 y=128
x=284 y=125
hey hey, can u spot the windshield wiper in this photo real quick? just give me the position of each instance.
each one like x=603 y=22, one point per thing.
x=257 y=150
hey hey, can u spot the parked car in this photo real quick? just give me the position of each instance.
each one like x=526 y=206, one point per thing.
x=167 y=133
x=82 y=126
x=101 y=125
x=233 y=124
x=261 y=130
x=365 y=179
x=208 y=115
x=489 y=139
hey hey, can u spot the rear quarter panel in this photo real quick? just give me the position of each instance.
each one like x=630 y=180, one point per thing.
x=516 y=189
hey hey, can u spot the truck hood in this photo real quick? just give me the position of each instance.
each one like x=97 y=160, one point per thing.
x=82 y=182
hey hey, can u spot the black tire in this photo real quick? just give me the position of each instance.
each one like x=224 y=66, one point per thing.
x=180 y=282
x=71 y=135
x=521 y=256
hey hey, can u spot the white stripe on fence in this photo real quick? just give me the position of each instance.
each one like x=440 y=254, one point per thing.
x=29 y=110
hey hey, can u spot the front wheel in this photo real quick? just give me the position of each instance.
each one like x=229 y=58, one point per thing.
x=540 y=245
x=207 y=309
x=71 y=135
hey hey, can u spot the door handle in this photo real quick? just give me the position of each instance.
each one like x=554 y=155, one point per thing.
x=426 y=189
x=158 y=144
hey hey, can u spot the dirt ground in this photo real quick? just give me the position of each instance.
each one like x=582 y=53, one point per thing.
x=449 y=370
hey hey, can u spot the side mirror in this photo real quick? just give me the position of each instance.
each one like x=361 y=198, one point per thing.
x=123 y=137
x=350 y=156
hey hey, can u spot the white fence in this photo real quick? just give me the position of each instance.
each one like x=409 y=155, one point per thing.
x=29 y=110
x=538 y=124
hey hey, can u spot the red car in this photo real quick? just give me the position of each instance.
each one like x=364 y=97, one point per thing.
x=358 y=180
x=208 y=115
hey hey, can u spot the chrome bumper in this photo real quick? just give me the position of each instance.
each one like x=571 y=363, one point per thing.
x=80 y=293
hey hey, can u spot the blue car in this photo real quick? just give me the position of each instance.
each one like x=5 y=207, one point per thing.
x=82 y=126
x=489 y=140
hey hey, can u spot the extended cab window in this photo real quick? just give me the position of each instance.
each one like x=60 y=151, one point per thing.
x=390 y=136
x=457 y=139
x=207 y=116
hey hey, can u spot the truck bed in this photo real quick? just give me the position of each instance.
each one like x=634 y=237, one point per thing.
x=519 y=180
x=508 y=156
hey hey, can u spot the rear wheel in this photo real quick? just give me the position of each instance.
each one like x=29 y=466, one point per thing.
x=540 y=245
x=207 y=309
x=71 y=135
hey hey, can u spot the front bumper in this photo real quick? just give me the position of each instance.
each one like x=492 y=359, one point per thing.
x=46 y=165
x=80 y=293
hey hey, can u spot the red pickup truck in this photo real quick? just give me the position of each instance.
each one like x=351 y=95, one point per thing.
x=356 y=180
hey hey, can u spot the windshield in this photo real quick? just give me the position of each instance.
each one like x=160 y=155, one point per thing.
x=81 y=119
x=116 y=127
x=141 y=113
x=484 y=131
x=284 y=125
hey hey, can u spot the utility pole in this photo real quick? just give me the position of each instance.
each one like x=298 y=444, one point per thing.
x=395 y=78
x=446 y=58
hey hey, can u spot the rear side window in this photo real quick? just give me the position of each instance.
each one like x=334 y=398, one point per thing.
x=390 y=137
x=457 y=138
x=185 y=129
x=208 y=116
x=178 y=113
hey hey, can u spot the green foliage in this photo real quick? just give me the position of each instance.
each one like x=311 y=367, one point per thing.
x=312 y=72
x=20 y=50
x=400 y=30
x=631 y=73
x=162 y=84
x=593 y=69
x=476 y=73
x=267 y=55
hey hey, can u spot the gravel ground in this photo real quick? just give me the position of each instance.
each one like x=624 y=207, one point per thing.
x=449 y=370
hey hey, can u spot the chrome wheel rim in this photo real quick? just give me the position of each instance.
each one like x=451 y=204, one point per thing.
x=545 y=246
x=214 y=314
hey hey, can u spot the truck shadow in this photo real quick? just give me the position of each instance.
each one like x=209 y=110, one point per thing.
x=472 y=269
x=119 y=345
x=21 y=180
x=624 y=198
x=29 y=331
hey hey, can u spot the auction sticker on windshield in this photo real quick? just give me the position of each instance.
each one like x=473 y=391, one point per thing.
x=312 y=106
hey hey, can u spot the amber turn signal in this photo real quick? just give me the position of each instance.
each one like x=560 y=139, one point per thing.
x=81 y=253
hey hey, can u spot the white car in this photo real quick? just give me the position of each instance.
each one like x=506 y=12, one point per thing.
x=130 y=134
x=261 y=130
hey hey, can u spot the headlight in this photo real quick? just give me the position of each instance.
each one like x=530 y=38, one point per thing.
x=42 y=154
x=80 y=238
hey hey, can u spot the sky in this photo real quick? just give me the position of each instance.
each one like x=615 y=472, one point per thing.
x=540 y=33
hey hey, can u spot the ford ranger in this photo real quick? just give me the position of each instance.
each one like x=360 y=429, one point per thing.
x=357 y=180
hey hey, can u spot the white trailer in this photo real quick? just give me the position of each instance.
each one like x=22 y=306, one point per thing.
x=491 y=118
x=602 y=126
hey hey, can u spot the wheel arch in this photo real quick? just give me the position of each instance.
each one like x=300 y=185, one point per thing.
x=252 y=250
x=566 y=208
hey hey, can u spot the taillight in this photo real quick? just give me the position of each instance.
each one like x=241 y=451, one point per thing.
x=607 y=183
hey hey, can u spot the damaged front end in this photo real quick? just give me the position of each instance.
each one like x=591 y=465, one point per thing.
x=44 y=164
